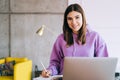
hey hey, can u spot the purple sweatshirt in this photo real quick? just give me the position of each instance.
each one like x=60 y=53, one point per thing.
x=94 y=47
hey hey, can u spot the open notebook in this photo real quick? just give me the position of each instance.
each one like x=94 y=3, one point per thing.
x=56 y=77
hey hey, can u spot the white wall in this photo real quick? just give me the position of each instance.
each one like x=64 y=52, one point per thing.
x=104 y=17
x=74 y=1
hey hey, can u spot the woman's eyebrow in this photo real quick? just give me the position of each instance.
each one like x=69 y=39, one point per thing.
x=77 y=16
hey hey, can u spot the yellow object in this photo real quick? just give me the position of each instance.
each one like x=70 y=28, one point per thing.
x=2 y=61
x=22 y=69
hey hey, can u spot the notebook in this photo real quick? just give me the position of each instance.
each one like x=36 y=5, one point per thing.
x=56 y=77
x=85 y=68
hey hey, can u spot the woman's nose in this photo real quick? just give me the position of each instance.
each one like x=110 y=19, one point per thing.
x=74 y=21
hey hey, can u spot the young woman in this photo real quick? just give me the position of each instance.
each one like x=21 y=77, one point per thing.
x=77 y=40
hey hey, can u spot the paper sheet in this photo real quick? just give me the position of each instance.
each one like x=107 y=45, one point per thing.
x=56 y=77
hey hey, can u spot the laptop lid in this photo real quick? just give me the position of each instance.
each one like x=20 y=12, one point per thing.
x=86 y=68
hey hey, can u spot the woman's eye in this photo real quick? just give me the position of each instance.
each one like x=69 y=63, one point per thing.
x=77 y=17
x=69 y=18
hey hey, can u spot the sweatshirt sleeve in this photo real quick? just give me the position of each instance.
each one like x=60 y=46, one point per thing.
x=100 y=47
x=55 y=58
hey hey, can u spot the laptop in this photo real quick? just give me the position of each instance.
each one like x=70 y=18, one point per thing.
x=86 y=68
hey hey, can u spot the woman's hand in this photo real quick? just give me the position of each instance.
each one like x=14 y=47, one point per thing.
x=46 y=73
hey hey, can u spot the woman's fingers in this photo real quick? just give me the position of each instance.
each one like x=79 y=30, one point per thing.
x=45 y=73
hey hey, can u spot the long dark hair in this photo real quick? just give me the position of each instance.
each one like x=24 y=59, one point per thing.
x=81 y=36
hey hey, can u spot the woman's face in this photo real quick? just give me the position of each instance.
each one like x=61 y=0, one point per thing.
x=74 y=20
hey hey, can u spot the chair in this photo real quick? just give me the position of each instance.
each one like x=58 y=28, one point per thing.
x=22 y=69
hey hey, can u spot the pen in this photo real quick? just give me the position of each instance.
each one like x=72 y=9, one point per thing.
x=43 y=66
